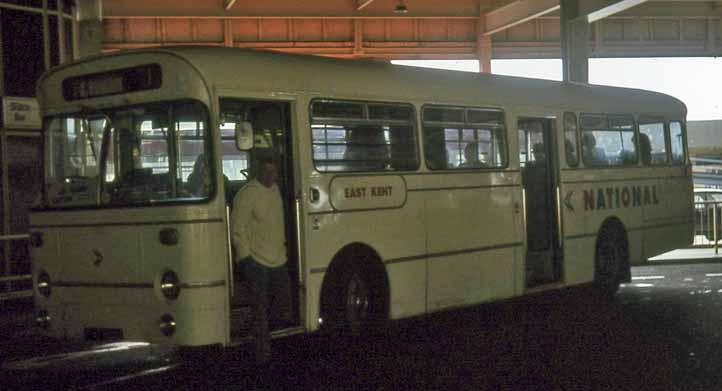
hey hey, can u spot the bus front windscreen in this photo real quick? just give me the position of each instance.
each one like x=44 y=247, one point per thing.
x=137 y=155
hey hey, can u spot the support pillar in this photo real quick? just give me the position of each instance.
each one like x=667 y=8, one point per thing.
x=711 y=38
x=46 y=35
x=483 y=47
x=578 y=51
x=358 y=37
x=90 y=28
x=2 y=60
x=575 y=34
x=484 y=53
x=62 y=45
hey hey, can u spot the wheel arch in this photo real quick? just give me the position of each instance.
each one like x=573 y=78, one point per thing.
x=372 y=267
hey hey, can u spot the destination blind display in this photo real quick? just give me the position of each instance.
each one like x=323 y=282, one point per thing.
x=145 y=77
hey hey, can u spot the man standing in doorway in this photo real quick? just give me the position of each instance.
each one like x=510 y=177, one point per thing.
x=259 y=238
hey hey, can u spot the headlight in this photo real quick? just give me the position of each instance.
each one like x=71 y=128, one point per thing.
x=44 y=284
x=167 y=325
x=169 y=285
x=42 y=319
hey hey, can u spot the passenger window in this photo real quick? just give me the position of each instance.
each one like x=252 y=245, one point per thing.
x=651 y=143
x=676 y=138
x=358 y=136
x=459 y=138
x=608 y=140
x=570 y=139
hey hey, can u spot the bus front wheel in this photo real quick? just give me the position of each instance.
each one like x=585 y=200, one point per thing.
x=353 y=299
x=357 y=303
x=610 y=258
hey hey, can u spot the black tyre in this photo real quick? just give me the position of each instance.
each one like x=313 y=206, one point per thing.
x=610 y=259
x=354 y=299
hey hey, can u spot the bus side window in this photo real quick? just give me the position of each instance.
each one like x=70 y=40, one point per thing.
x=570 y=139
x=608 y=140
x=676 y=138
x=463 y=138
x=402 y=147
x=435 y=148
x=366 y=149
x=652 y=144
x=361 y=136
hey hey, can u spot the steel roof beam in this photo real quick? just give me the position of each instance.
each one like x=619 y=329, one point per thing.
x=612 y=9
x=361 y=4
x=227 y=4
x=516 y=13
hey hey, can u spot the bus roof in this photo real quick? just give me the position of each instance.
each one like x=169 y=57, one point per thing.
x=293 y=74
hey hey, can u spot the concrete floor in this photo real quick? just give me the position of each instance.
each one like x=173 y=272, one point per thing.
x=688 y=256
x=660 y=333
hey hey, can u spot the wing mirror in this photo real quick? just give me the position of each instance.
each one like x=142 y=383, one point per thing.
x=244 y=135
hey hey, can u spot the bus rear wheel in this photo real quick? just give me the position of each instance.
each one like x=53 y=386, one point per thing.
x=610 y=257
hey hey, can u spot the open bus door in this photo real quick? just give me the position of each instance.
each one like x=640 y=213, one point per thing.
x=271 y=127
x=539 y=178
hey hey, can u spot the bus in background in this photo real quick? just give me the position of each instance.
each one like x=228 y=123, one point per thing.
x=406 y=191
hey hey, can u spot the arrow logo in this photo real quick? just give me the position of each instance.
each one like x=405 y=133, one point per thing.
x=98 y=257
x=568 y=200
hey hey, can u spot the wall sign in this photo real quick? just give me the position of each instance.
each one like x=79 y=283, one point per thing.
x=21 y=113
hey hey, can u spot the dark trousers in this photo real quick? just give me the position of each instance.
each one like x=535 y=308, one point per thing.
x=271 y=301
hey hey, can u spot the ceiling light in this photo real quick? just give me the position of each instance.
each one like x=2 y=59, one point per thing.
x=401 y=8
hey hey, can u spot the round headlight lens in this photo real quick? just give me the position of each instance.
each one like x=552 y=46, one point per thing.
x=44 y=284
x=170 y=285
x=42 y=319
x=167 y=325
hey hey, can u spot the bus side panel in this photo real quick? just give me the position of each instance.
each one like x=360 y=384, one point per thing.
x=472 y=238
x=471 y=278
x=314 y=280
x=668 y=218
x=408 y=288
x=578 y=264
x=589 y=198
x=396 y=234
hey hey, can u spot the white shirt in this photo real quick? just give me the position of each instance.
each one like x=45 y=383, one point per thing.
x=257 y=224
